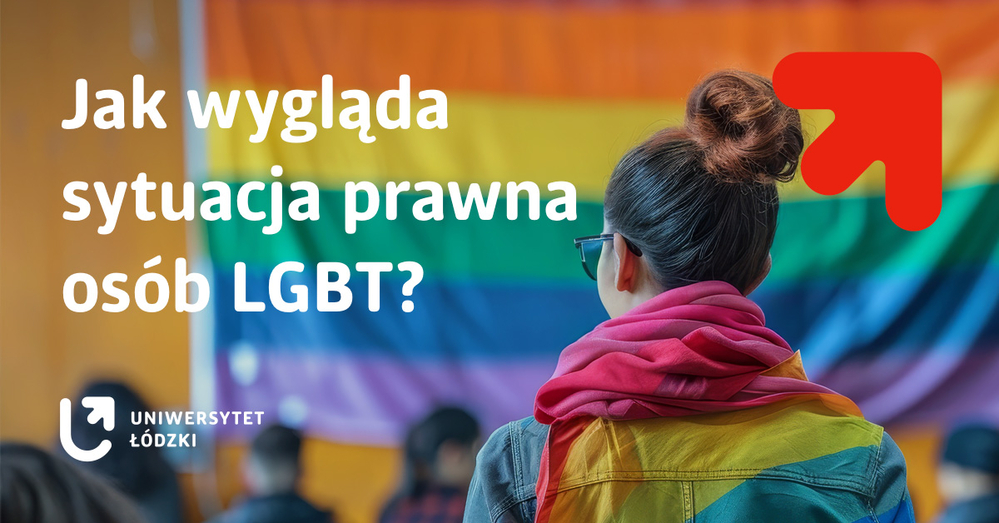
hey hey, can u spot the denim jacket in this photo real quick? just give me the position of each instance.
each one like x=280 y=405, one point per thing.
x=866 y=483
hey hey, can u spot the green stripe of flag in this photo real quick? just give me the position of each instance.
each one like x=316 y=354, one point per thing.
x=820 y=238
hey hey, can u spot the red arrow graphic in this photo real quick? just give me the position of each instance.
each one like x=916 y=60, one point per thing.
x=888 y=107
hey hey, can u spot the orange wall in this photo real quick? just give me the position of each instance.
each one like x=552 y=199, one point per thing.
x=48 y=352
x=920 y=446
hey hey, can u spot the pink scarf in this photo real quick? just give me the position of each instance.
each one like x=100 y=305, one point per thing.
x=695 y=349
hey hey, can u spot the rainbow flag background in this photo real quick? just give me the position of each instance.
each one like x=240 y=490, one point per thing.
x=904 y=323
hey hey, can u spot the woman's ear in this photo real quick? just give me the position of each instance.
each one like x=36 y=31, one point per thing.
x=626 y=276
x=763 y=275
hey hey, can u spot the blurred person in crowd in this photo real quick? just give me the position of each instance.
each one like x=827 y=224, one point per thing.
x=271 y=472
x=968 y=475
x=140 y=472
x=684 y=405
x=37 y=487
x=439 y=460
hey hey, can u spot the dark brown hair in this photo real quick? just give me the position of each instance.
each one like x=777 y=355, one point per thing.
x=278 y=445
x=37 y=487
x=424 y=440
x=700 y=201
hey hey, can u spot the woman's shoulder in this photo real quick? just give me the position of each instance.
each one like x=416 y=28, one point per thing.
x=512 y=455
x=506 y=473
x=525 y=431
x=891 y=501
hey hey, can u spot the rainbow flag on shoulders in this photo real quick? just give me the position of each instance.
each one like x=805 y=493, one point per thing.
x=805 y=459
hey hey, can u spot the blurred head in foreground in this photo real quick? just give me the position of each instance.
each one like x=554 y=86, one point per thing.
x=273 y=464
x=699 y=202
x=37 y=487
x=968 y=475
x=444 y=445
x=140 y=472
x=271 y=472
x=439 y=454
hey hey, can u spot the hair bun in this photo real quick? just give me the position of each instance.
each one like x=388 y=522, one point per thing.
x=743 y=129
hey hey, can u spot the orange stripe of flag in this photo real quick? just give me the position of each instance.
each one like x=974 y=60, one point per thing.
x=577 y=51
